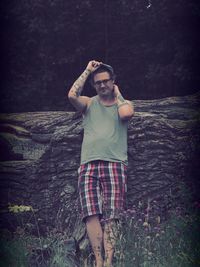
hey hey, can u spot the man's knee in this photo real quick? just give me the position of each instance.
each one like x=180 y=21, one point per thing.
x=92 y=218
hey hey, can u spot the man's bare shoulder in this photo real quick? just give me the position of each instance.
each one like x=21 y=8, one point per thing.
x=81 y=103
x=87 y=101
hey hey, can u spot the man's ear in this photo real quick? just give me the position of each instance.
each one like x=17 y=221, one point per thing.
x=114 y=78
x=113 y=89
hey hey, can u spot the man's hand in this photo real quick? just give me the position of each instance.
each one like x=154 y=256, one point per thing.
x=116 y=90
x=93 y=65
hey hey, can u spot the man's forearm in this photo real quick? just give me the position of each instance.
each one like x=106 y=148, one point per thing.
x=77 y=87
x=120 y=100
x=125 y=108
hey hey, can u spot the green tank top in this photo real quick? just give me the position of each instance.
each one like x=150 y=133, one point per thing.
x=105 y=134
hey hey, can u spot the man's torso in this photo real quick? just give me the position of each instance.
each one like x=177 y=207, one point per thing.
x=105 y=135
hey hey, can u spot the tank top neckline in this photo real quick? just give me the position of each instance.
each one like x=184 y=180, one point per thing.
x=107 y=106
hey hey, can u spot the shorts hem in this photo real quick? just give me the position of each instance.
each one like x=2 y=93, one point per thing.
x=84 y=217
x=106 y=215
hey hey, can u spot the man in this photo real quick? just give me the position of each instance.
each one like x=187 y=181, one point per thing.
x=102 y=173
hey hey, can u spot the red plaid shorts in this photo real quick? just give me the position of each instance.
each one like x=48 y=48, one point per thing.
x=102 y=188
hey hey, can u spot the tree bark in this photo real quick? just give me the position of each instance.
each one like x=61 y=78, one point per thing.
x=40 y=153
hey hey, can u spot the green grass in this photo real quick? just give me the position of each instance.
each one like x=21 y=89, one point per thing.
x=13 y=252
x=144 y=238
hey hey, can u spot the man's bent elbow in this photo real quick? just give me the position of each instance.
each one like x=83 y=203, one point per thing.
x=126 y=116
x=71 y=95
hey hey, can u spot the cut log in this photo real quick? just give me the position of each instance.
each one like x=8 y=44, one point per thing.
x=40 y=154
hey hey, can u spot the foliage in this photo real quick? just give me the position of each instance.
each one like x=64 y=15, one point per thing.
x=145 y=240
x=151 y=44
x=143 y=236
x=13 y=251
x=24 y=249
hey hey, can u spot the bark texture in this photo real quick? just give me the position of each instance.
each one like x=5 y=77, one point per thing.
x=40 y=155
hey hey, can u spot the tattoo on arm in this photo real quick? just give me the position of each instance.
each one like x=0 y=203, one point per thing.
x=77 y=90
x=79 y=83
x=120 y=98
x=121 y=101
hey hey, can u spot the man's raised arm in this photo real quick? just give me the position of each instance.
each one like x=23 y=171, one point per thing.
x=74 y=95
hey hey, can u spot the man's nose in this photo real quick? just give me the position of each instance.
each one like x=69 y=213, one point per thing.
x=102 y=84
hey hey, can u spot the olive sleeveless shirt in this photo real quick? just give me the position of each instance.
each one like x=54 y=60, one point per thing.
x=105 y=134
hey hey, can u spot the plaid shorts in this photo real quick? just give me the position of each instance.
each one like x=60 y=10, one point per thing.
x=102 y=188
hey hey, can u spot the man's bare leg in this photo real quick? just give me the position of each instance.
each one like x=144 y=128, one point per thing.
x=95 y=235
x=109 y=241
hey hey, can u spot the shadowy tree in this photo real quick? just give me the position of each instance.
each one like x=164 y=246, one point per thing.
x=152 y=45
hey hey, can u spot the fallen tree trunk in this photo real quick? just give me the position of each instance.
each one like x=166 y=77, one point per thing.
x=40 y=156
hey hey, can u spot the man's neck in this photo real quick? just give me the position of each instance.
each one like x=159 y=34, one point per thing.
x=107 y=100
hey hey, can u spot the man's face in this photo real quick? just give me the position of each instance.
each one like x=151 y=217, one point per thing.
x=103 y=84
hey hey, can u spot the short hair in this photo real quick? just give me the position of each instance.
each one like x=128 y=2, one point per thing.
x=103 y=68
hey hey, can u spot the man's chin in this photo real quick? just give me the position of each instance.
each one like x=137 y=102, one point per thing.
x=104 y=92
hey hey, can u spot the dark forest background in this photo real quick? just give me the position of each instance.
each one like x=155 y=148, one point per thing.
x=46 y=44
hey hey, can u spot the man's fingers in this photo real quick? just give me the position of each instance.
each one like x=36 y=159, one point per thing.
x=93 y=65
x=96 y=63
